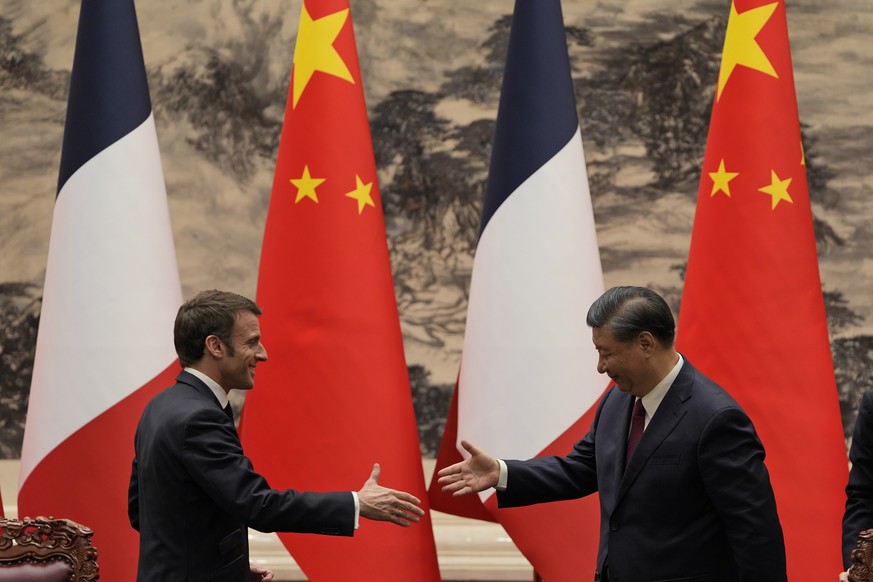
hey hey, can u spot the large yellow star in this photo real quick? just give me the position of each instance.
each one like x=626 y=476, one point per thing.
x=740 y=46
x=721 y=180
x=778 y=190
x=361 y=193
x=314 y=50
x=306 y=186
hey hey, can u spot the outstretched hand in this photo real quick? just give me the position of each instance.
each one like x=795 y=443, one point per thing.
x=477 y=473
x=383 y=504
x=259 y=574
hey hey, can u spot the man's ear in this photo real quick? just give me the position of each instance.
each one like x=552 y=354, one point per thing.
x=646 y=342
x=214 y=346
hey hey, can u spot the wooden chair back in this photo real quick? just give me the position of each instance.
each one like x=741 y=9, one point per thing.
x=46 y=549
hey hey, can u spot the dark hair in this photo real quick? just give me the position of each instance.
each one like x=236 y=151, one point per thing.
x=209 y=313
x=629 y=311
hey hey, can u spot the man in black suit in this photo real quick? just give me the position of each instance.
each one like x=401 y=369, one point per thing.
x=193 y=492
x=859 y=491
x=692 y=501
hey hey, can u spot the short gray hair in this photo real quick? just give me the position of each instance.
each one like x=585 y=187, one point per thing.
x=629 y=311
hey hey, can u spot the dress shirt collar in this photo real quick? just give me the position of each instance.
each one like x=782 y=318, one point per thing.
x=213 y=385
x=652 y=400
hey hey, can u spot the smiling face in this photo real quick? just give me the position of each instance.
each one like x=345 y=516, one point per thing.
x=236 y=366
x=626 y=363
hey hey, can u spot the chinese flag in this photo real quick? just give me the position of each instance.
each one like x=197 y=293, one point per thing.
x=334 y=398
x=752 y=314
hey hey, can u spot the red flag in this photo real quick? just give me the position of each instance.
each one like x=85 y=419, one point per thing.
x=752 y=314
x=334 y=398
x=111 y=293
x=528 y=382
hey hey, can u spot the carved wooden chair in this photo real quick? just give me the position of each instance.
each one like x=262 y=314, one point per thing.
x=46 y=550
x=861 y=569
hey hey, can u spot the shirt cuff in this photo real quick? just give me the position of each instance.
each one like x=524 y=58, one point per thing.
x=504 y=476
x=357 y=509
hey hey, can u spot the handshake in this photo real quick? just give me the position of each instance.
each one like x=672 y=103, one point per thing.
x=477 y=473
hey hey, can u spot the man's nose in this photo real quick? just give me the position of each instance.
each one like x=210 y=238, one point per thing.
x=262 y=355
x=601 y=366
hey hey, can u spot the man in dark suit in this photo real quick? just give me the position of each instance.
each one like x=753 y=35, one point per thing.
x=859 y=491
x=692 y=501
x=193 y=492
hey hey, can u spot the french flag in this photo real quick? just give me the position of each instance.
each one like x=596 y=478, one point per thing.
x=528 y=382
x=105 y=342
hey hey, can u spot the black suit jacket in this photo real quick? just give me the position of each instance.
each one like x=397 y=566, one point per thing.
x=859 y=491
x=193 y=492
x=695 y=503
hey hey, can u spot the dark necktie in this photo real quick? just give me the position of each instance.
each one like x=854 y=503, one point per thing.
x=638 y=423
x=229 y=411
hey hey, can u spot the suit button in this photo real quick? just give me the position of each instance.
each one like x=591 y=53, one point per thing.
x=613 y=525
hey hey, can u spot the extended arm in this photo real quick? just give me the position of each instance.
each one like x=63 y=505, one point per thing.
x=535 y=480
x=214 y=458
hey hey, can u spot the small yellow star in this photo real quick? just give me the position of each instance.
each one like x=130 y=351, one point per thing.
x=314 y=50
x=740 y=46
x=802 y=155
x=361 y=193
x=778 y=190
x=721 y=180
x=306 y=186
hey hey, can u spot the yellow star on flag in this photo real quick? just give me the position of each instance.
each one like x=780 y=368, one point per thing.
x=361 y=193
x=778 y=190
x=314 y=50
x=721 y=180
x=306 y=186
x=740 y=46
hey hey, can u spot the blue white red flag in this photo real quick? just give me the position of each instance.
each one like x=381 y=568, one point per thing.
x=110 y=296
x=528 y=381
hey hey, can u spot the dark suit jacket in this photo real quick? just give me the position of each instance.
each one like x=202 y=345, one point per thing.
x=695 y=503
x=193 y=492
x=859 y=491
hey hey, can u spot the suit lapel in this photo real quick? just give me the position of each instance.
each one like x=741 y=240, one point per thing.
x=612 y=437
x=666 y=419
x=202 y=389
